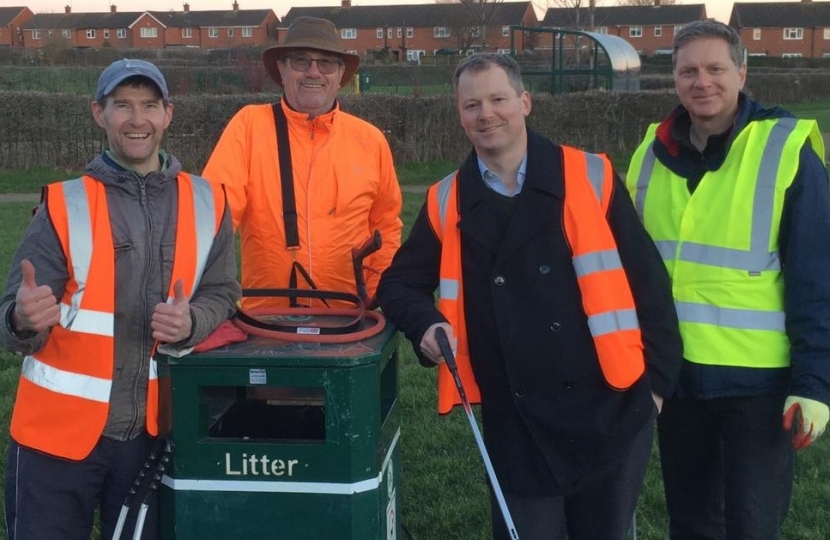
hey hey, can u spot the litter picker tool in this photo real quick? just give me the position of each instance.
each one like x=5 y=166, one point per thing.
x=152 y=470
x=449 y=358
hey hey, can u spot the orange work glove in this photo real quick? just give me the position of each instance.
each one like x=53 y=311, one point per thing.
x=810 y=418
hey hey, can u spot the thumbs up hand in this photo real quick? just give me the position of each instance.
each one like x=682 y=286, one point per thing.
x=171 y=323
x=36 y=308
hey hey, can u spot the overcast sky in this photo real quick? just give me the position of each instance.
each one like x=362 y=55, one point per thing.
x=719 y=9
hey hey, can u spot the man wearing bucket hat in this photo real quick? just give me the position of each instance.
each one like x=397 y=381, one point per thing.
x=334 y=168
x=133 y=254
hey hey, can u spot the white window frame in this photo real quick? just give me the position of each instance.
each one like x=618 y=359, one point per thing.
x=635 y=31
x=390 y=32
x=149 y=32
x=66 y=34
x=187 y=32
x=602 y=30
x=658 y=31
x=230 y=32
x=677 y=28
x=414 y=55
x=827 y=33
x=213 y=32
x=399 y=32
x=37 y=34
x=90 y=33
x=477 y=32
x=247 y=32
x=793 y=33
x=756 y=34
x=379 y=33
x=410 y=33
x=106 y=33
x=504 y=51
x=348 y=33
x=121 y=33
x=440 y=31
x=792 y=55
x=505 y=31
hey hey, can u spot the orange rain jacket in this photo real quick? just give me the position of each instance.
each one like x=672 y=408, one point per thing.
x=345 y=187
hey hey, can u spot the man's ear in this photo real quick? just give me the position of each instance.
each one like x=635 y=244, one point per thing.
x=98 y=113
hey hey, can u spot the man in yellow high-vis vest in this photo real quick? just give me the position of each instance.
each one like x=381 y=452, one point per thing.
x=736 y=198
x=133 y=254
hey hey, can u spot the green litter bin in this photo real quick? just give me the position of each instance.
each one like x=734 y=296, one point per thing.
x=278 y=440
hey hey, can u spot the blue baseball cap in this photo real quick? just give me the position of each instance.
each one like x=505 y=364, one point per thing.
x=121 y=70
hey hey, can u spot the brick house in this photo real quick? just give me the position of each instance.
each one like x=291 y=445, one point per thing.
x=408 y=32
x=153 y=29
x=783 y=29
x=218 y=29
x=11 y=19
x=649 y=29
x=81 y=30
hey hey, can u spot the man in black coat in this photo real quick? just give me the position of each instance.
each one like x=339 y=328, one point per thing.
x=569 y=450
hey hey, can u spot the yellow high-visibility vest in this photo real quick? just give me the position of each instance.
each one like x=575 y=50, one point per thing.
x=720 y=244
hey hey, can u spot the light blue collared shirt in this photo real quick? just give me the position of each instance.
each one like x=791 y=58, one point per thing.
x=493 y=181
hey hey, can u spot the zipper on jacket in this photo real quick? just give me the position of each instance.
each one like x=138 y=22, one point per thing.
x=143 y=364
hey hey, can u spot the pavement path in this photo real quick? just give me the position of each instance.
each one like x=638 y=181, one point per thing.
x=19 y=197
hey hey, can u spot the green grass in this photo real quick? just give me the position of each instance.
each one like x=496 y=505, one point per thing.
x=444 y=495
x=817 y=110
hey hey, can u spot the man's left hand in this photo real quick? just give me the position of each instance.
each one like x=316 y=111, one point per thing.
x=809 y=417
x=171 y=323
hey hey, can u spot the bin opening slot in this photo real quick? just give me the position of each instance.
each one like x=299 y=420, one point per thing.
x=263 y=413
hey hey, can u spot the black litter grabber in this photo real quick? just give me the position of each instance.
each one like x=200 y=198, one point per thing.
x=449 y=358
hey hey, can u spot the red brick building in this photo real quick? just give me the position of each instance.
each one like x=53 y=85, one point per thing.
x=153 y=29
x=11 y=19
x=649 y=29
x=783 y=29
x=408 y=32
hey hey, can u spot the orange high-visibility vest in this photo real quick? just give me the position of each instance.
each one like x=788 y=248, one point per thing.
x=606 y=294
x=64 y=391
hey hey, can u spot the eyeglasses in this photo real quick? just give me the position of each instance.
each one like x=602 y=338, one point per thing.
x=327 y=66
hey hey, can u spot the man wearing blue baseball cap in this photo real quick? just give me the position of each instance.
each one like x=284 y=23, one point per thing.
x=134 y=254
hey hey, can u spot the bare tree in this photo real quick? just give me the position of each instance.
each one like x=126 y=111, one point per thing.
x=469 y=25
x=579 y=7
x=646 y=2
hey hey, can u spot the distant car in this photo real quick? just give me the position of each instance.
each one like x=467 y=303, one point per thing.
x=446 y=51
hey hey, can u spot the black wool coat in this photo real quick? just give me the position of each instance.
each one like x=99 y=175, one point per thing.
x=549 y=418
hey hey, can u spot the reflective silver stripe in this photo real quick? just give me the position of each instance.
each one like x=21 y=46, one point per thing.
x=666 y=248
x=745 y=319
x=154 y=369
x=89 y=321
x=754 y=260
x=448 y=289
x=597 y=261
x=205 y=215
x=444 y=187
x=613 y=321
x=646 y=170
x=65 y=382
x=80 y=244
x=275 y=486
x=596 y=173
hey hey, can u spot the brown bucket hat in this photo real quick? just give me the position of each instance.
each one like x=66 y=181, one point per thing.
x=310 y=33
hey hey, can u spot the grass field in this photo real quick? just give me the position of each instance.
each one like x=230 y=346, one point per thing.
x=442 y=482
x=442 y=479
